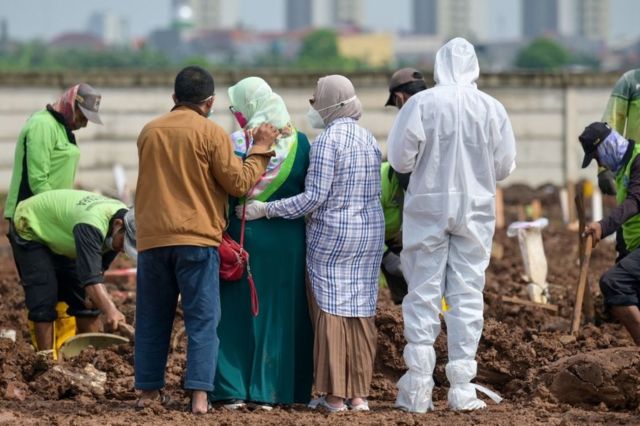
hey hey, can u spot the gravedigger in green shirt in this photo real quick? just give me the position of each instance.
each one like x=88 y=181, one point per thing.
x=62 y=241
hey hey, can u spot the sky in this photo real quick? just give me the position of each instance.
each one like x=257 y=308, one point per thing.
x=45 y=18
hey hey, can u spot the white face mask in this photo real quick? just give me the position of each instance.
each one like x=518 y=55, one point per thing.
x=315 y=119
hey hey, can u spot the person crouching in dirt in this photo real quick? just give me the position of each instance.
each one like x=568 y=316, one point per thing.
x=403 y=84
x=62 y=241
x=620 y=285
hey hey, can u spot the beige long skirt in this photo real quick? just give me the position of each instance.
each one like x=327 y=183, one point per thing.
x=344 y=350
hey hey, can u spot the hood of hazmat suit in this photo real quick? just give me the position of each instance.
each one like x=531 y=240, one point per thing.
x=456 y=141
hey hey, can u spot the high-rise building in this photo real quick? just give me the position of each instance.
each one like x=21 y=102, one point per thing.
x=215 y=14
x=348 y=12
x=425 y=17
x=324 y=13
x=298 y=14
x=450 y=18
x=181 y=14
x=4 y=32
x=593 y=19
x=539 y=17
x=109 y=27
x=205 y=14
x=570 y=18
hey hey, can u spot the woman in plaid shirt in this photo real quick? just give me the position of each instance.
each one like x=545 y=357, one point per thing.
x=345 y=237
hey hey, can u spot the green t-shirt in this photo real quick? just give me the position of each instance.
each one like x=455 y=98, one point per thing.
x=50 y=217
x=623 y=109
x=45 y=159
x=391 y=198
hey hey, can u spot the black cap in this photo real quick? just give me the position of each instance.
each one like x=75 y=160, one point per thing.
x=590 y=138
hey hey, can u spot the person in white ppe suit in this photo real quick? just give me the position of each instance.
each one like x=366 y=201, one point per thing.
x=457 y=142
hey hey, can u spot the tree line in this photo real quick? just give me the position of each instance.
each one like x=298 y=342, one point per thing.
x=318 y=51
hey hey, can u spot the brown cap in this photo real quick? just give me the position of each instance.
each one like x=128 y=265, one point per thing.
x=88 y=100
x=400 y=78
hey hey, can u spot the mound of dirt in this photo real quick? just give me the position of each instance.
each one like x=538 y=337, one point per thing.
x=608 y=376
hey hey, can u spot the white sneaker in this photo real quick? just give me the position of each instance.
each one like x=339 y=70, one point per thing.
x=234 y=404
x=321 y=403
x=259 y=406
x=363 y=406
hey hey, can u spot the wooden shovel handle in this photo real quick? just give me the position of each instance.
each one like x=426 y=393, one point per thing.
x=126 y=330
x=582 y=283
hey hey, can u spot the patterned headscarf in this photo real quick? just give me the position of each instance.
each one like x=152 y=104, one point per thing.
x=337 y=95
x=611 y=151
x=254 y=98
x=66 y=105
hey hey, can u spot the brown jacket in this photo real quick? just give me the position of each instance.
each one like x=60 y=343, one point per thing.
x=187 y=168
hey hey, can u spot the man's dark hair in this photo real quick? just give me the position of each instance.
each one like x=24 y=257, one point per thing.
x=411 y=88
x=193 y=84
x=117 y=215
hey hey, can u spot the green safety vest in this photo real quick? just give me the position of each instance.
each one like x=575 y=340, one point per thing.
x=631 y=228
x=391 y=198
x=49 y=218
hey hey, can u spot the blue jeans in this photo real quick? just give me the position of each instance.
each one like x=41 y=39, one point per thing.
x=163 y=273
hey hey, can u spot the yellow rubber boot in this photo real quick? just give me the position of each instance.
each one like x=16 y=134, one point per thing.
x=63 y=328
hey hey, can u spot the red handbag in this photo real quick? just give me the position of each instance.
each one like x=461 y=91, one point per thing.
x=234 y=259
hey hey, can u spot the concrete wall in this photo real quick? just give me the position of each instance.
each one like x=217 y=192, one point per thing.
x=547 y=112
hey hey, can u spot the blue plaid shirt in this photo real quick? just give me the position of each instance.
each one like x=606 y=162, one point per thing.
x=345 y=232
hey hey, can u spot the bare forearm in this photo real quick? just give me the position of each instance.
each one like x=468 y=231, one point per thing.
x=100 y=298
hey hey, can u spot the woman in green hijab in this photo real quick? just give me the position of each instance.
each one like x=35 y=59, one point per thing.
x=267 y=359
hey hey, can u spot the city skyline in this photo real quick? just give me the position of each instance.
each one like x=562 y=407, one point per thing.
x=144 y=16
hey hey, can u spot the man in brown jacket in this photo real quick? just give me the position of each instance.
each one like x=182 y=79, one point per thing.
x=187 y=168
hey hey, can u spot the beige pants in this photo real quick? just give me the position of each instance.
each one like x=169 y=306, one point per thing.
x=344 y=350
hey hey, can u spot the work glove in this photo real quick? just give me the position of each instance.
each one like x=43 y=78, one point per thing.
x=391 y=263
x=606 y=181
x=255 y=210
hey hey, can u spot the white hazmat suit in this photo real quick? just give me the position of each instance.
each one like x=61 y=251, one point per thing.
x=457 y=141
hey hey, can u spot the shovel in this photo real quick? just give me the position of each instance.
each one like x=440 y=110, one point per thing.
x=76 y=344
x=586 y=245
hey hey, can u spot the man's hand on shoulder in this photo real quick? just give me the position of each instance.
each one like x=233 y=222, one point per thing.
x=265 y=135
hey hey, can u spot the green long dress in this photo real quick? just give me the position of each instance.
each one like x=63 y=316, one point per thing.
x=268 y=358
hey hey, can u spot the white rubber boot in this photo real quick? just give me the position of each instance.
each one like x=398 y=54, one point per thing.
x=416 y=386
x=462 y=393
